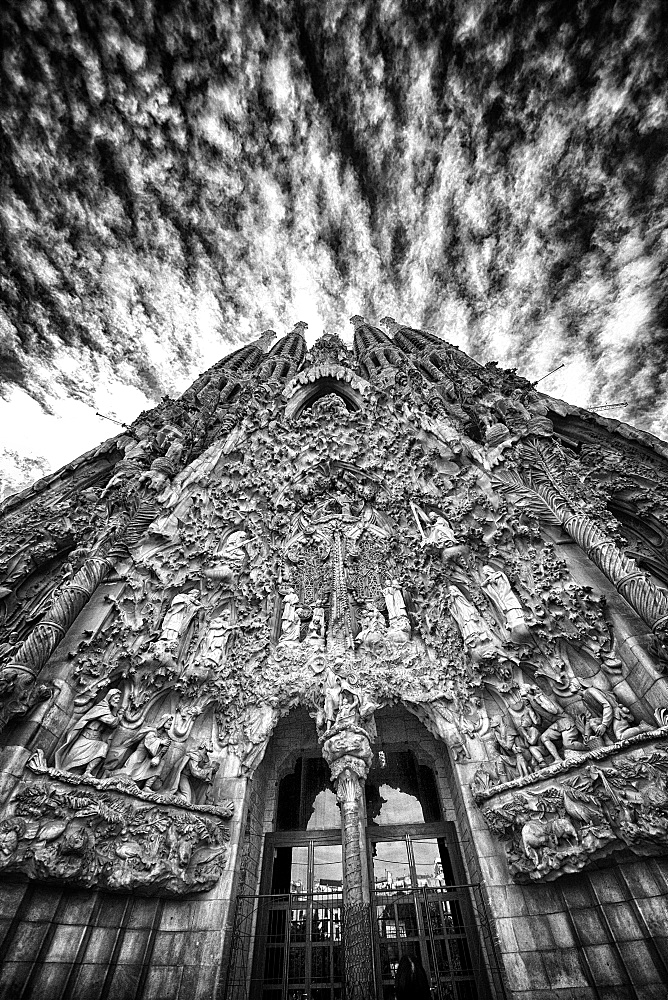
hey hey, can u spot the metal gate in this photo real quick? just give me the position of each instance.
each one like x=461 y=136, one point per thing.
x=299 y=953
x=439 y=926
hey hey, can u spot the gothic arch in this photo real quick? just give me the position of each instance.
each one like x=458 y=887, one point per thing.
x=328 y=385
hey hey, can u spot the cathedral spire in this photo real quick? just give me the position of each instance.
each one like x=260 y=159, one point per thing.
x=375 y=351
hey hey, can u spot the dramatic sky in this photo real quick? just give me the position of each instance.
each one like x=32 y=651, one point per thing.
x=176 y=177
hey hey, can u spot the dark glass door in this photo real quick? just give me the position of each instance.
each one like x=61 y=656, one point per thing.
x=300 y=929
x=421 y=909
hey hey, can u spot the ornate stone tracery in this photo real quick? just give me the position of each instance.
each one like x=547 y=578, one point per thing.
x=339 y=530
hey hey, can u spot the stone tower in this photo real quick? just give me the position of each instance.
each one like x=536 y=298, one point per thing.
x=345 y=655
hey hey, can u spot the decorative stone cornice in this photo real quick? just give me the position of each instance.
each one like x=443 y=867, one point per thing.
x=126 y=786
x=337 y=372
x=482 y=791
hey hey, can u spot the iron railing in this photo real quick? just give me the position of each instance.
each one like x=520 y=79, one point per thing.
x=301 y=956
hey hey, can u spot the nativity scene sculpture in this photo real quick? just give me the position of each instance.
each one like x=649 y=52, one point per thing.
x=340 y=530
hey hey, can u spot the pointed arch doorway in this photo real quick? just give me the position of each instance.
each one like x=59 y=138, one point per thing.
x=419 y=900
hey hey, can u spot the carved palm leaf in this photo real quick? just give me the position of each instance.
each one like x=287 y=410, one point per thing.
x=550 y=467
x=523 y=497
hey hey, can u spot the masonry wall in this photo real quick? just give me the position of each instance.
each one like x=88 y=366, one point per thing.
x=599 y=935
x=65 y=944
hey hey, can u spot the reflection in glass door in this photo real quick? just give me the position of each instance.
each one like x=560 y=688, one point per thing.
x=300 y=922
x=420 y=911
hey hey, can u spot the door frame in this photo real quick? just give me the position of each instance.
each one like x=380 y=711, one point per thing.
x=283 y=838
x=443 y=830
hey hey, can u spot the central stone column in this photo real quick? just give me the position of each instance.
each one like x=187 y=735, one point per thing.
x=347 y=750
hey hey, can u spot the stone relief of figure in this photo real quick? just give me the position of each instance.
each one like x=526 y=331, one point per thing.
x=332 y=693
x=476 y=723
x=229 y=560
x=257 y=729
x=497 y=587
x=510 y=747
x=87 y=744
x=400 y=626
x=528 y=723
x=213 y=648
x=473 y=630
x=437 y=533
x=609 y=719
x=442 y=722
x=170 y=440
x=316 y=630
x=185 y=771
x=560 y=724
x=349 y=707
x=145 y=762
x=369 y=522
x=290 y=619
x=177 y=617
x=373 y=627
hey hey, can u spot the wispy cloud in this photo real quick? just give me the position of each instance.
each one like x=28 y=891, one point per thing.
x=177 y=178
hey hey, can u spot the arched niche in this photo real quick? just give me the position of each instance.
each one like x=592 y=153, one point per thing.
x=308 y=394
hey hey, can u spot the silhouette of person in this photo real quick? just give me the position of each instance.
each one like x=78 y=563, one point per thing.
x=411 y=981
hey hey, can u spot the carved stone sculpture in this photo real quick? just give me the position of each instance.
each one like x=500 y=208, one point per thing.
x=215 y=642
x=497 y=587
x=182 y=608
x=614 y=798
x=399 y=623
x=350 y=533
x=372 y=627
x=145 y=763
x=315 y=636
x=87 y=744
x=473 y=630
x=290 y=619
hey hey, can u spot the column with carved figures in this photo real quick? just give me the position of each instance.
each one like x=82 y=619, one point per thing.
x=347 y=750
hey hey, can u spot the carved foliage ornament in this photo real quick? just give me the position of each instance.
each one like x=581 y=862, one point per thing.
x=615 y=800
x=89 y=832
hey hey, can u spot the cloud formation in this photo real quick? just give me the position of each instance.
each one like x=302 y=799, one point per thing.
x=179 y=176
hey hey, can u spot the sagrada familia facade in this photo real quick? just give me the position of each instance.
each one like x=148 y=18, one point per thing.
x=343 y=655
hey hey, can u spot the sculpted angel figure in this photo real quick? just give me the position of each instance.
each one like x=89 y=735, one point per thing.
x=497 y=587
x=290 y=619
x=396 y=607
x=182 y=608
x=213 y=648
x=437 y=533
x=87 y=744
x=260 y=722
x=473 y=629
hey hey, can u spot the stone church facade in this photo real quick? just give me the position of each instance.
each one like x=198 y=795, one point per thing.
x=344 y=654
